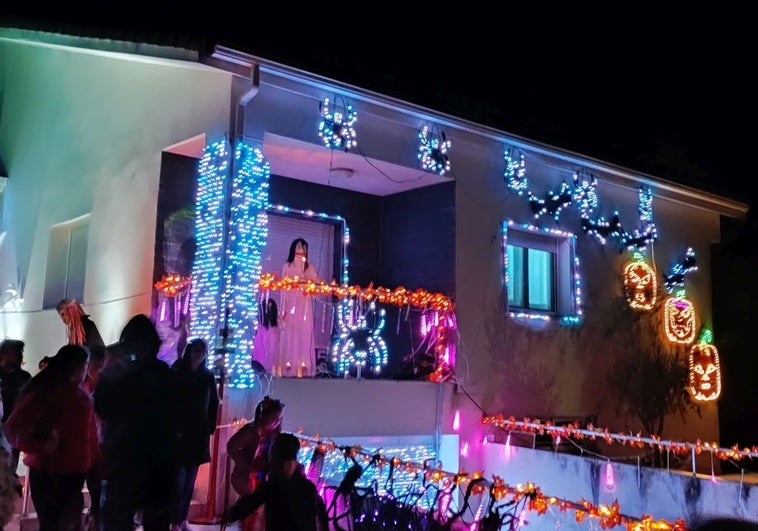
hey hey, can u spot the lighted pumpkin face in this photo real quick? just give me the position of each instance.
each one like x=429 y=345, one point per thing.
x=679 y=320
x=640 y=285
x=705 y=372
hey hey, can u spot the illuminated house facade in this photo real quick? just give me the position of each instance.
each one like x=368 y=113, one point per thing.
x=120 y=160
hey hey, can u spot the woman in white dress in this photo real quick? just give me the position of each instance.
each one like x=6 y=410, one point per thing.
x=297 y=350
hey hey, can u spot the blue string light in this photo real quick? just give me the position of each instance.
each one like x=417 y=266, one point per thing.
x=515 y=170
x=248 y=234
x=213 y=170
x=432 y=150
x=336 y=127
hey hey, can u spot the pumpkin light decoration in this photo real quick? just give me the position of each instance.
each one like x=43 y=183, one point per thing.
x=679 y=319
x=705 y=369
x=640 y=284
x=679 y=313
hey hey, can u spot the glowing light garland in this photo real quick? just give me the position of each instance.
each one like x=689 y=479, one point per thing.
x=432 y=150
x=633 y=441
x=248 y=235
x=570 y=319
x=210 y=228
x=232 y=284
x=336 y=128
x=173 y=288
x=529 y=494
x=172 y=284
x=399 y=296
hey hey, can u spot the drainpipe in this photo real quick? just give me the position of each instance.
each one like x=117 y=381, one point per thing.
x=238 y=121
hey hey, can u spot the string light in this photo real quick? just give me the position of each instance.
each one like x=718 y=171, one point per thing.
x=608 y=516
x=248 y=234
x=552 y=203
x=336 y=127
x=568 y=319
x=432 y=150
x=679 y=319
x=515 y=170
x=678 y=272
x=704 y=369
x=640 y=283
x=213 y=170
x=359 y=344
x=640 y=239
x=633 y=441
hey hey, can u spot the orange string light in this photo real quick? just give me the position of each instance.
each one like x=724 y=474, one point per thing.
x=633 y=441
x=399 y=296
x=608 y=516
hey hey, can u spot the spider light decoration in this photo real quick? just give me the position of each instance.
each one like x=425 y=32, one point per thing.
x=680 y=318
x=432 y=150
x=336 y=125
x=360 y=343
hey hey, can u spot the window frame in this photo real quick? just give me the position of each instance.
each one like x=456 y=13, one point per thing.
x=566 y=282
x=60 y=281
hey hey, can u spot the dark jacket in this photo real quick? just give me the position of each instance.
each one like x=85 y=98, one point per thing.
x=135 y=401
x=11 y=383
x=292 y=504
x=197 y=396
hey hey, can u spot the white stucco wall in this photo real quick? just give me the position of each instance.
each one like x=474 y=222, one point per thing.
x=82 y=132
x=658 y=493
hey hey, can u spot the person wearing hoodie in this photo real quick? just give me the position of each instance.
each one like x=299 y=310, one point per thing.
x=135 y=401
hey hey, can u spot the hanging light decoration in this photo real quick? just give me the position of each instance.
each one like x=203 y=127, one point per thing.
x=432 y=150
x=515 y=170
x=336 y=127
x=704 y=369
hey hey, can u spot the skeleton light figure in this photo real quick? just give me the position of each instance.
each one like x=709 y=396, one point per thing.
x=358 y=343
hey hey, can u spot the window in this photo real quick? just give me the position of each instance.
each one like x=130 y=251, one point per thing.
x=324 y=235
x=66 y=261
x=531 y=273
x=541 y=276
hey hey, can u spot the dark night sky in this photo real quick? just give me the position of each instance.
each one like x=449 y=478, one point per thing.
x=666 y=93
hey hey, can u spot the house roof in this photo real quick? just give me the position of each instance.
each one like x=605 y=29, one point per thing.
x=194 y=46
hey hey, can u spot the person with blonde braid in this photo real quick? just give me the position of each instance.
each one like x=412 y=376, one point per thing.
x=81 y=330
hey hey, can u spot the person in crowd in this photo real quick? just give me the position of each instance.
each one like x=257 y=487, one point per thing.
x=10 y=488
x=291 y=500
x=43 y=362
x=12 y=379
x=81 y=330
x=53 y=423
x=196 y=421
x=250 y=448
x=297 y=350
x=135 y=401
